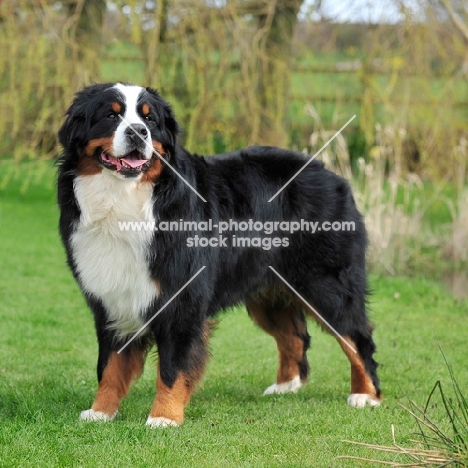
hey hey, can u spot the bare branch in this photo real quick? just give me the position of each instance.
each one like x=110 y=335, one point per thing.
x=455 y=17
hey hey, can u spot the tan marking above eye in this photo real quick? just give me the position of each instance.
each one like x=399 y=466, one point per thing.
x=116 y=107
x=145 y=109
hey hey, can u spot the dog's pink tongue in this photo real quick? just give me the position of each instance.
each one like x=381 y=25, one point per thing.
x=110 y=159
x=134 y=162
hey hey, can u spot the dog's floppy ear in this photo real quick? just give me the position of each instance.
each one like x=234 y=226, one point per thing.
x=75 y=128
x=169 y=127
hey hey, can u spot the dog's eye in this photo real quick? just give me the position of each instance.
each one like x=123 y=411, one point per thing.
x=148 y=118
x=112 y=116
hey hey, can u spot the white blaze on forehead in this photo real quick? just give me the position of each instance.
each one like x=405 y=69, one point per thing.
x=131 y=95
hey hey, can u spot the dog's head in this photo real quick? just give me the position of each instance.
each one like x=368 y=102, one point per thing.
x=119 y=128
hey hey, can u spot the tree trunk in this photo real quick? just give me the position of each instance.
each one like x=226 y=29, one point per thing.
x=153 y=42
x=88 y=35
x=274 y=78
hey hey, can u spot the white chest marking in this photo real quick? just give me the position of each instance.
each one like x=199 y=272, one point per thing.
x=111 y=262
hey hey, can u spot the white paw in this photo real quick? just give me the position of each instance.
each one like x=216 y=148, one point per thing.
x=160 y=422
x=286 y=387
x=359 y=400
x=91 y=415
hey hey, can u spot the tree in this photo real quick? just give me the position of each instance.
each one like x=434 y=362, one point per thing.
x=275 y=25
x=269 y=25
x=455 y=13
x=86 y=18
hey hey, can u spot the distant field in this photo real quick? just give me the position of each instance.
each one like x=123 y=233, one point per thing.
x=48 y=353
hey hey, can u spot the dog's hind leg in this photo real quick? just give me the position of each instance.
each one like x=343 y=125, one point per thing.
x=359 y=348
x=286 y=323
x=345 y=312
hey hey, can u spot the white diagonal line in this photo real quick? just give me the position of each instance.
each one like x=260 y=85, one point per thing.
x=160 y=157
x=161 y=309
x=312 y=158
x=312 y=309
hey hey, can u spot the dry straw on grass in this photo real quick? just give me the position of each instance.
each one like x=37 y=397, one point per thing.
x=418 y=456
x=439 y=444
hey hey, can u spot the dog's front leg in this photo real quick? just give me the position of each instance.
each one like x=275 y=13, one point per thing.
x=116 y=372
x=180 y=367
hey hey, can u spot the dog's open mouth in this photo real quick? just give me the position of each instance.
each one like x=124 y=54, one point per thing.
x=130 y=164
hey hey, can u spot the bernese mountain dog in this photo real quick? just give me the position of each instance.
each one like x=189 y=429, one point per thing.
x=149 y=286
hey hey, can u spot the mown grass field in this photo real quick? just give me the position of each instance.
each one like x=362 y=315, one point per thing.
x=48 y=353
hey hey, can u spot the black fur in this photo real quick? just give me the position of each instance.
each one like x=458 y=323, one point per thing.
x=326 y=268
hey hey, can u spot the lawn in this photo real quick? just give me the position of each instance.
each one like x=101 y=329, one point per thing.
x=48 y=353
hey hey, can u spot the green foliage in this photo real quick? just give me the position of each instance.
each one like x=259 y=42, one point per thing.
x=357 y=147
x=215 y=65
x=42 y=67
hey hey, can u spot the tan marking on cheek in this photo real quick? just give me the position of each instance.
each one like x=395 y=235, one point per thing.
x=152 y=174
x=121 y=370
x=87 y=166
x=360 y=380
x=104 y=143
x=145 y=109
x=154 y=171
x=159 y=148
x=116 y=107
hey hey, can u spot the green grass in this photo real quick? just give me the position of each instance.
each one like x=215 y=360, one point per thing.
x=48 y=353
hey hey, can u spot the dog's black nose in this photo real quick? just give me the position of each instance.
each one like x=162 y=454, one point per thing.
x=136 y=132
